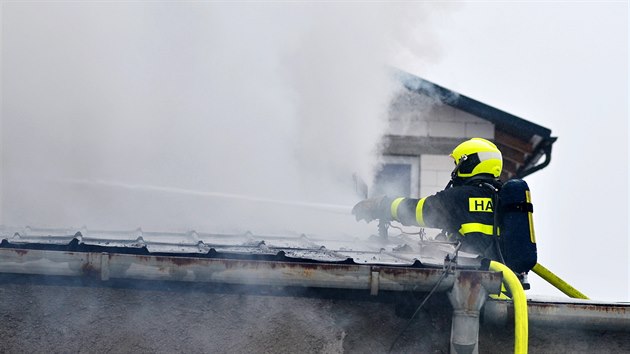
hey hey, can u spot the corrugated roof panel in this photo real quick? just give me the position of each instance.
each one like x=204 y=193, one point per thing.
x=400 y=250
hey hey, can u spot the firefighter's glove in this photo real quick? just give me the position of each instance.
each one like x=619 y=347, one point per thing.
x=372 y=209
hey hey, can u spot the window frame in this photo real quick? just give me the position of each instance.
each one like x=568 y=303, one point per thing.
x=413 y=161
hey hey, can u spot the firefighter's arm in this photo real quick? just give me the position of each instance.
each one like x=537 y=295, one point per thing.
x=408 y=211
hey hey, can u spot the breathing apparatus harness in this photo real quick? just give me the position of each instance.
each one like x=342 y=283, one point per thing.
x=495 y=202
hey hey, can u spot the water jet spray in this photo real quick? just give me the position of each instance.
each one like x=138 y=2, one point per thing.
x=331 y=208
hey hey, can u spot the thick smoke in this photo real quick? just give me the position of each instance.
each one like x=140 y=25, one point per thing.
x=207 y=116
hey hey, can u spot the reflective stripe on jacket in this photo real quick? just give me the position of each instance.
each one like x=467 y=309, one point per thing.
x=464 y=210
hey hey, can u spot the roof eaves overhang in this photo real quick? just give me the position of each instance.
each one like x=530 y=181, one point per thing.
x=582 y=314
x=531 y=141
x=505 y=121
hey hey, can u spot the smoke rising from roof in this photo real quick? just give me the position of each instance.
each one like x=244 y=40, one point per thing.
x=272 y=101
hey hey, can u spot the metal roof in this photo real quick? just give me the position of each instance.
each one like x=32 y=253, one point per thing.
x=395 y=250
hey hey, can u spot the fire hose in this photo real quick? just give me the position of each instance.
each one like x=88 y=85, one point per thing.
x=520 y=306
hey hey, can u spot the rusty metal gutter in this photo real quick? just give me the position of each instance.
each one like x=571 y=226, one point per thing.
x=230 y=271
x=589 y=315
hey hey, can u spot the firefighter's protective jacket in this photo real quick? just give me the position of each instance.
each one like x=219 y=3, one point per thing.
x=465 y=211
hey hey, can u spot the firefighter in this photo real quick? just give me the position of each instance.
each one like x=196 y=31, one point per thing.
x=464 y=210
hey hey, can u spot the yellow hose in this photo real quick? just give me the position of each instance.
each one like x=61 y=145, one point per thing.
x=520 y=306
x=557 y=282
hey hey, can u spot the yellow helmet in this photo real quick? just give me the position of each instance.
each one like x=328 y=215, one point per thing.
x=476 y=156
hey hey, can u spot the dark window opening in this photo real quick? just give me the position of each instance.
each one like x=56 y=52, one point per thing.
x=393 y=180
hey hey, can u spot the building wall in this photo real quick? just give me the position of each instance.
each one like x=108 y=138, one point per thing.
x=45 y=316
x=435 y=172
x=427 y=130
x=416 y=115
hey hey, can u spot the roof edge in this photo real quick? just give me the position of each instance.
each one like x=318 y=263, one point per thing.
x=501 y=119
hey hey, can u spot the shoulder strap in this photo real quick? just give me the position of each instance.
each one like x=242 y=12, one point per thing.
x=495 y=224
x=523 y=206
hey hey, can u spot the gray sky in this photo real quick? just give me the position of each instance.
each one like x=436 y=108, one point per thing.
x=563 y=65
x=164 y=98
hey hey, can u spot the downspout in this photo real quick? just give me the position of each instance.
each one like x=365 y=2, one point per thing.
x=545 y=149
x=468 y=295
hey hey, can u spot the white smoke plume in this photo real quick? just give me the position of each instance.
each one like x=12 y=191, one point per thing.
x=116 y=114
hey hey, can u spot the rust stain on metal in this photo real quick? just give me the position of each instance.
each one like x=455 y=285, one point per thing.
x=421 y=274
x=180 y=261
x=553 y=308
x=20 y=252
x=472 y=281
x=318 y=267
x=145 y=259
x=305 y=269
x=88 y=270
x=470 y=278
